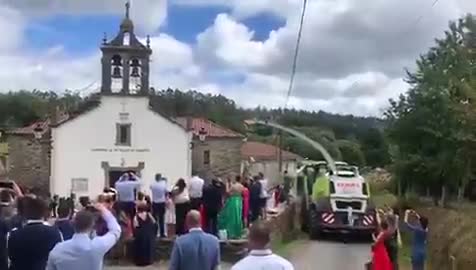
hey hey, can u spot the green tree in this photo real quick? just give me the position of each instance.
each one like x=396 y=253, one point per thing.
x=432 y=124
x=351 y=152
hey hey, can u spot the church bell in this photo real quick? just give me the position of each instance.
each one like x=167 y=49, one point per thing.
x=135 y=72
x=116 y=73
x=135 y=63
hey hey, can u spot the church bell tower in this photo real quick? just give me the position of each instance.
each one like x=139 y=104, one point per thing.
x=125 y=60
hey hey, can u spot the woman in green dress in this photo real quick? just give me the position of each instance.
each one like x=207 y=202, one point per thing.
x=231 y=216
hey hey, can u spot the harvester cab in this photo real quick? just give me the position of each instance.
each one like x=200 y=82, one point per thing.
x=337 y=201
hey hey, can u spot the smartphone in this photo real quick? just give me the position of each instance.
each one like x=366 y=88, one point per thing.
x=7 y=184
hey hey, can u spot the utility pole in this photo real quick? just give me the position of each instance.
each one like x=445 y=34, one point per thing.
x=280 y=152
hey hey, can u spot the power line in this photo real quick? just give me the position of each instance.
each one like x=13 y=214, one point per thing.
x=434 y=3
x=419 y=18
x=408 y=29
x=296 y=54
x=87 y=86
x=291 y=83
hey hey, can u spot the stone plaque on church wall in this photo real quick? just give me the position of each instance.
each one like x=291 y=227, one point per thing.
x=79 y=185
x=124 y=117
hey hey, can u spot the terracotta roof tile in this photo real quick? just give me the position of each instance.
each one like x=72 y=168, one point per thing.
x=212 y=129
x=42 y=126
x=262 y=151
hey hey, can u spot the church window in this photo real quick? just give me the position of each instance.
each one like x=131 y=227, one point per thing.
x=206 y=157
x=123 y=134
x=127 y=39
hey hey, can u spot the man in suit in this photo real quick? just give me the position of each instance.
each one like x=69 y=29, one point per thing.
x=29 y=246
x=82 y=251
x=212 y=201
x=63 y=223
x=255 y=192
x=197 y=249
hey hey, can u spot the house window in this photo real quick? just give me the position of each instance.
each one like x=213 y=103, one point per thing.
x=79 y=185
x=123 y=134
x=206 y=157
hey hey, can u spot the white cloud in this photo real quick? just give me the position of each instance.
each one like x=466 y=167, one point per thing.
x=351 y=61
x=248 y=8
x=231 y=44
x=148 y=15
x=11 y=25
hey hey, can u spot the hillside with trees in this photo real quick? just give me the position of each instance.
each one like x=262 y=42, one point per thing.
x=358 y=140
x=432 y=127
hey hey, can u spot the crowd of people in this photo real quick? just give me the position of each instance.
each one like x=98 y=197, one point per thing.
x=65 y=233
x=30 y=242
x=227 y=207
x=388 y=240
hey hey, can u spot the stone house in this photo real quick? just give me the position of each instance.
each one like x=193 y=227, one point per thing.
x=216 y=150
x=29 y=156
x=261 y=157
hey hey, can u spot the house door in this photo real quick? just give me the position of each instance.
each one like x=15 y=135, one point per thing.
x=115 y=175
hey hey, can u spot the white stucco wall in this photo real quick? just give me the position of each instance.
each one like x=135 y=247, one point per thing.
x=82 y=144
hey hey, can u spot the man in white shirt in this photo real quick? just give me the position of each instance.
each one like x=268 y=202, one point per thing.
x=260 y=256
x=127 y=186
x=83 y=252
x=159 y=196
x=264 y=195
x=195 y=191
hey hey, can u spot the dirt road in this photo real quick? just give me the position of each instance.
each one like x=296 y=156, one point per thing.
x=311 y=255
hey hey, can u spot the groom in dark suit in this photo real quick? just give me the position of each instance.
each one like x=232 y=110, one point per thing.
x=29 y=246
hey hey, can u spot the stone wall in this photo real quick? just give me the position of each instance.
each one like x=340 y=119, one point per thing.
x=225 y=157
x=285 y=228
x=29 y=162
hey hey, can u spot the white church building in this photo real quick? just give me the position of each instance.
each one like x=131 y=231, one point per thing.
x=120 y=132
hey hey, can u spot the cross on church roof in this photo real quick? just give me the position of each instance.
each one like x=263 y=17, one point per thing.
x=128 y=7
x=123 y=103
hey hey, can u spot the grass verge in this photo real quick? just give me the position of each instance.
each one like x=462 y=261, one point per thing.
x=404 y=253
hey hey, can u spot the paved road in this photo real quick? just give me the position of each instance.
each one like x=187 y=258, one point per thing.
x=155 y=267
x=312 y=255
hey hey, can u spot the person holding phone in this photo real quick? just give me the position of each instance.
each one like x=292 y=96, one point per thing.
x=126 y=187
x=83 y=251
x=419 y=229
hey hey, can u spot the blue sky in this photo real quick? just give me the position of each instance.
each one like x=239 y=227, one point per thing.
x=81 y=34
x=55 y=45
